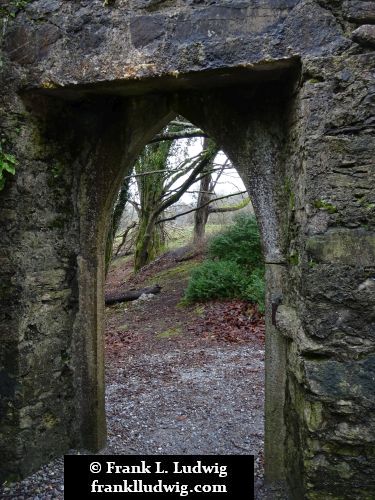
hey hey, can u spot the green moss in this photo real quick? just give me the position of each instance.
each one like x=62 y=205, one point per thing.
x=49 y=420
x=293 y=258
x=324 y=205
x=65 y=357
x=171 y=332
x=13 y=8
x=57 y=170
x=313 y=81
x=340 y=449
x=313 y=413
x=287 y=186
x=199 y=310
x=289 y=193
x=8 y=163
x=48 y=84
x=182 y=271
x=12 y=478
x=348 y=450
x=350 y=247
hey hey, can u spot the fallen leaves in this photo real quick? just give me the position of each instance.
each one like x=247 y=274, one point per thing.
x=231 y=321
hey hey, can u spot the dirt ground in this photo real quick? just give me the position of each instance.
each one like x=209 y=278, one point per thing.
x=179 y=379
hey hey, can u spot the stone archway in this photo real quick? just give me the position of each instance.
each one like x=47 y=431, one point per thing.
x=305 y=151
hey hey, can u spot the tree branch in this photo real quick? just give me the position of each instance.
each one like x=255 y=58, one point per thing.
x=124 y=236
x=230 y=208
x=205 y=204
x=135 y=205
x=183 y=169
x=201 y=164
x=183 y=134
x=209 y=172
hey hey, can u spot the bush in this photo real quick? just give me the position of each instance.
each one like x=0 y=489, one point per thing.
x=239 y=243
x=235 y=266
x=214 y=279
x=255 y=288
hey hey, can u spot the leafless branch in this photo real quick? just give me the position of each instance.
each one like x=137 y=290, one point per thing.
x=183 y=134
x=198 y=208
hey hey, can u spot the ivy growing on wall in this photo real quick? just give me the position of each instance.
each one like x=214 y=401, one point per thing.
x=13 y=7
x=8 y=161
x=8 y=164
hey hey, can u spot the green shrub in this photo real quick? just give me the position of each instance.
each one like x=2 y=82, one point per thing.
x=235 y=266
x=239 y=243
x=255 y=288
x=214 y=279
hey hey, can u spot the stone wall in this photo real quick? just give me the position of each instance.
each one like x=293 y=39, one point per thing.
x=330 y=315
x=287 y=89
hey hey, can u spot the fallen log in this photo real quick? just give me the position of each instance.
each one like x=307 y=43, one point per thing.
x=188 y=256
x=132 y=294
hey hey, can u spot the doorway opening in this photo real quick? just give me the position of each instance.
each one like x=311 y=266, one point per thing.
x=185 y=373
x=109 y=125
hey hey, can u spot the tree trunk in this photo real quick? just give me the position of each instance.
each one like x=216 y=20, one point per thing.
x=204 y=196
x=115 y=222
x=202 y=212
x=149 y=241
x=154 y=190
x=131 y=295
x=150 y=235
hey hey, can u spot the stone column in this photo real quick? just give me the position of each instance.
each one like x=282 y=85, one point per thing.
x=53 y=215
x=252 y=126
x=330 y=321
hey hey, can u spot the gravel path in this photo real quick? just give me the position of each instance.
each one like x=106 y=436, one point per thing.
x=204 y=401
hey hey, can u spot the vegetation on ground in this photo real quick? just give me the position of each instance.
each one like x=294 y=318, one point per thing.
x=234 y=267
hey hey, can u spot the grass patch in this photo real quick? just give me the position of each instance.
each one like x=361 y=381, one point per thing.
x=169 y=333
x=182 y=236
x=181 y=271
x=199 y=310
x=121 y=261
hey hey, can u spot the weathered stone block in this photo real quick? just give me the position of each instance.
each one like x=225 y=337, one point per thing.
x=364 y=35
x=344 y=246
x=145 y=29
x=360 y=11
x=350 y=380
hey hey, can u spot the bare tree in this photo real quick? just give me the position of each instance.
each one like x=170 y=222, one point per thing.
x=157 y=193
x=161 y=183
